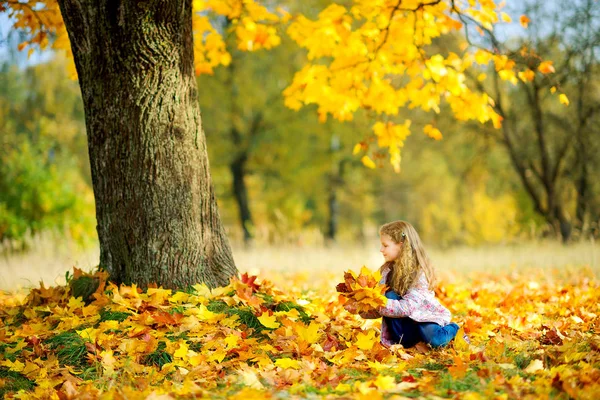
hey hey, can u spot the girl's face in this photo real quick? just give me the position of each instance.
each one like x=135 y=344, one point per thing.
x=389 y=249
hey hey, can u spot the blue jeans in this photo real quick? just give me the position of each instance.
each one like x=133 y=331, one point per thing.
x=409 y=332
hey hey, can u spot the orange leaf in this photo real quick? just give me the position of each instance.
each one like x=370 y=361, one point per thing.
x=459 y=369
x=546 y=67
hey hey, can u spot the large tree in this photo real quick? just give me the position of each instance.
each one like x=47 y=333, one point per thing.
x=156 y=211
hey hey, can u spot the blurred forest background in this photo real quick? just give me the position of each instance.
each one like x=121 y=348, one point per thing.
x=284 y=179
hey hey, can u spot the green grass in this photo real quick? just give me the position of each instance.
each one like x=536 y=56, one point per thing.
x=246 y=314
x=13 y=382
x=469 y=383
x=70 y=349
x=176 y=310
x=6 y=354
x=108 y=315
x=355 y=374
x=288 y=305
x=19 y=318
x=159 y=357
x=522 y=360
x=434 y=366
x=84 y=287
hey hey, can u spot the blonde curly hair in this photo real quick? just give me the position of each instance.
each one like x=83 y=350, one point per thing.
x=412 y=260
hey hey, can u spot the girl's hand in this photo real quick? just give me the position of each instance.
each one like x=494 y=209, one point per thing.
x=370 y=314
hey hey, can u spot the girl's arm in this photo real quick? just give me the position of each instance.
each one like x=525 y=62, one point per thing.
x=397 y=308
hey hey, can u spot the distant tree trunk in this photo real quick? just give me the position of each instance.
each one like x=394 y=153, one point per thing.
x=240 y=192
x=584 y=113
x=240 y=140
x=332 y=222
x=335 y=181
x=539 y=180
x=157 y=216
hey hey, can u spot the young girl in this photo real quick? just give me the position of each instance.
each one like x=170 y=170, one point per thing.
x=412 y=313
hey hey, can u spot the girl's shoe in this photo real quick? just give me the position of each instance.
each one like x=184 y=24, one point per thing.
x=466 y=338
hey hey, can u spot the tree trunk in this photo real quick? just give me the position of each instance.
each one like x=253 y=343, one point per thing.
x=335 y=181
x=333 y=206
x=157 y=216
x=240 y=192
x=582 y=191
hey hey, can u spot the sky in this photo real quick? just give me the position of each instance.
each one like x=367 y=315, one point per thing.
x=8 y=44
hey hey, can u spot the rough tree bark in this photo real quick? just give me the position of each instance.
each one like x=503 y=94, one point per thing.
x=157 y=217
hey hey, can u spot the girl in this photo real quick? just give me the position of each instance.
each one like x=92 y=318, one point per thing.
x=412 y=313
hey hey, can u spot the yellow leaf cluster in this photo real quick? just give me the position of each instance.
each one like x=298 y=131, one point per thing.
x=370 y=56
x=432 y=132
x=254 y=26
x=362 y=292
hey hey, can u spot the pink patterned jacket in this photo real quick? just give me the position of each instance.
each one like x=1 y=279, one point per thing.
x=418 y=304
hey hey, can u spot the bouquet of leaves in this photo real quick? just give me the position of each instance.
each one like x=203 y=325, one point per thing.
x=363 y=293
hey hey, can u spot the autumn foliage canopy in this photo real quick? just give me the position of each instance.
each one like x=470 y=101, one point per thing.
x=369 y=55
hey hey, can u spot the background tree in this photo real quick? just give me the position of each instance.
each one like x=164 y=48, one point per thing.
x=550 y=146
x=44 y=171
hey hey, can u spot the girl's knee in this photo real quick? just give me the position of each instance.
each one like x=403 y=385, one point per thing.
x=438 y=342
x=444 y=335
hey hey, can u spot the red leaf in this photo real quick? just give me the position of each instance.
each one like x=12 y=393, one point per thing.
x=343 y=288
x=250 y=281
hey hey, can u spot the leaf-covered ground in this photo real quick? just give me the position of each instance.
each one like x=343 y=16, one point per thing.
x=533 y=334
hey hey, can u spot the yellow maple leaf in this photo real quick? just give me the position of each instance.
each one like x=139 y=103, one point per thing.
x=269 y=321
x=366 y=341
x=16 y=366
x=182 y=351
x=90 y=310
x=88 y=334
x=203 y=314
x=534 y=366
x=218 y=355
x=249 y=377
x=30 y=368
x=75 y=303
x=310 y=333
x=231 y=341
x=108 y=361
x=196 y=359
x=287 y=362
x=384 y=382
